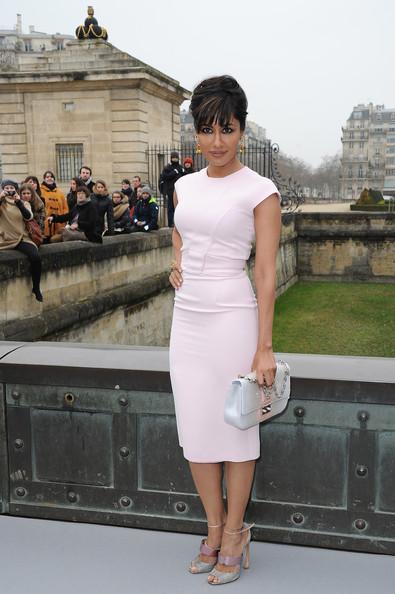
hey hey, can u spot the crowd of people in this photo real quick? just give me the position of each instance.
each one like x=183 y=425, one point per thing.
x=33 y=213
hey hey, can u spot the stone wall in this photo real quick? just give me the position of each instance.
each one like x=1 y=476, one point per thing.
x=346 y=246
x=117 y=292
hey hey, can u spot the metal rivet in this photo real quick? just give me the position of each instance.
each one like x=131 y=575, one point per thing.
x=360 y=524
x=123 y=401
x=181 y=507
x=125 y=501
x=299 y=411
x=16 y=395
x=72 y=496
x=20 y=491
x=362 y=470
x=19 y=444
x=363 y=416
x=124 y=451
x=297 y=518
x=69 y=398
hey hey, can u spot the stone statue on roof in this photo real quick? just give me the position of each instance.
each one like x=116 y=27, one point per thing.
x=91 y=28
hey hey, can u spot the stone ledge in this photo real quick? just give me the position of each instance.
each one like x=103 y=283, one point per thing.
x=58 y=256
x=58 y=318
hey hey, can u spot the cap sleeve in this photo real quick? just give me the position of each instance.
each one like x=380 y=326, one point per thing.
x=265 y=189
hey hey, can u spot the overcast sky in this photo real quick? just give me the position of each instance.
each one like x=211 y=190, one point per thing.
x=304 y=64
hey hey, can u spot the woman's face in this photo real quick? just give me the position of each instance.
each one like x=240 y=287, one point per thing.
x=100 y=189
x=32 y=183
x=49 y=178
x=116 y=198
x=139 y=192
x=220 y=145
x=26 y=195
x=73 y=185
x=81 y=196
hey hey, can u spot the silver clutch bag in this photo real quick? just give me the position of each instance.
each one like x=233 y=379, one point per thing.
x=248 y=404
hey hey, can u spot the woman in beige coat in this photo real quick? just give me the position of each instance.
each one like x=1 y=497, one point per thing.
x=13 y=234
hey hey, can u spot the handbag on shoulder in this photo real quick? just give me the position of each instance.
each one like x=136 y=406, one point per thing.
x=34 y=232
x=248 y=404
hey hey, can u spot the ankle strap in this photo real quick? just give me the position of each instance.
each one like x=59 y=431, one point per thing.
x=215 y=525
x=244 y=528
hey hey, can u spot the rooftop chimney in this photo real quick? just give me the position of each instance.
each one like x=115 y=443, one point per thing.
x=19 y=24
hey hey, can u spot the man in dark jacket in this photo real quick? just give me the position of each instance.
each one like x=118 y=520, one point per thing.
x=82 y=219
x=103 y=204
x=170 y=174
x=145 y=216
x=85 y=177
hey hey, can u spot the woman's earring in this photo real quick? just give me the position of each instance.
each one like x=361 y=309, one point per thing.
x=241 y=148
x=198 y=150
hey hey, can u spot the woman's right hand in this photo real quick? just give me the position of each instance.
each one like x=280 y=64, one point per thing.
x=175 y=277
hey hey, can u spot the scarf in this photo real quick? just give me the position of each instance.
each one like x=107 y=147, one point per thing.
x=120 y=208
x=50 y=187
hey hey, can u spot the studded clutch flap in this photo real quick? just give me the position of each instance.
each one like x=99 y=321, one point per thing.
x=248 y=404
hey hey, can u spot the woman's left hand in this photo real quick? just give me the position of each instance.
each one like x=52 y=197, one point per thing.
x=264 y=365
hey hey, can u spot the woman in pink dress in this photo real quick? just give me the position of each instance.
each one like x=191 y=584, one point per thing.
x=220 y=329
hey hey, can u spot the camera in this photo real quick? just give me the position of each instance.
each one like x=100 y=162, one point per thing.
x=10 y=193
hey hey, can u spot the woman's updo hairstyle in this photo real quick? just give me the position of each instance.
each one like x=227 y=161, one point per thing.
x=217 y=100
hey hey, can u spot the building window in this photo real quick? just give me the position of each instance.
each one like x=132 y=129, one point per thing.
x=391 y=139
x=68 y=160
x=360 y=172
x=361 y=145
x=351 y=134
x=379 y=117
x=351 y=145
x=391 y=149
x=393 y=116
x=28 y=45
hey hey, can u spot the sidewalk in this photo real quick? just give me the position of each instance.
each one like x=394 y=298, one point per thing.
x=48 y=557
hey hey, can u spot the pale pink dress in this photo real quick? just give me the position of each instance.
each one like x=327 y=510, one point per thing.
x=215 y=321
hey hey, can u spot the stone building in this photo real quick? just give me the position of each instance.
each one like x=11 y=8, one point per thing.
x=368 y=151
x=33 y=41
x=87 y=104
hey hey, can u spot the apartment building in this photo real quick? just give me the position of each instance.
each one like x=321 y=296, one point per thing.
x=368 y=151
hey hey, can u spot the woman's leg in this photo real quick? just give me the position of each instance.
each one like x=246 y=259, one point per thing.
x=31 y=251
x=208 y=482
x=238 y=477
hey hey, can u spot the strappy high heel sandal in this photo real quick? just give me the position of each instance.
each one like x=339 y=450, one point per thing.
x=225 y=577
x=199 y=566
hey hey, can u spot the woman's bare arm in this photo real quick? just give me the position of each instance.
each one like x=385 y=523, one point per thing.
x=175 y=277
x=267 y=232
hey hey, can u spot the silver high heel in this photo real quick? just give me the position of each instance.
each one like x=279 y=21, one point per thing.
x=224 y=577
x=199 y=566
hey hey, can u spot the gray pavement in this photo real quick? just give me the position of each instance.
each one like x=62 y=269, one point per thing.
x=48 y=557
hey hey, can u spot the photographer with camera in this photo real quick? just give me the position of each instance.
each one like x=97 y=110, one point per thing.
x=14 y=213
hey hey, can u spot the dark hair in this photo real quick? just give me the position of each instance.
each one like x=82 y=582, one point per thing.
x=35 y=179
x=77 y=181
x=216 y=100
x=83 y=189
x=48 y=171
x=125 y=181
x=138 y=177
x=86 y=167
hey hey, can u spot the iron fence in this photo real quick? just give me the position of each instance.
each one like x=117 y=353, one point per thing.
x=257 y=155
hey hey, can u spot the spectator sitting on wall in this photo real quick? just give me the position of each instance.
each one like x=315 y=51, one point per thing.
x=33 y=181
x=188 y=165
x=136 y=182
x=103 y=204
x=127 y=190
x=28 y=194
x=170 y=174
x=86 y=178
x=55 y=204
x=72 y=194
x=120 y=204
x=146 y=211
x=81 y=220
x=13 y=234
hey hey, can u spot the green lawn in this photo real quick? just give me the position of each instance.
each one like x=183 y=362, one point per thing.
x=336 y=319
